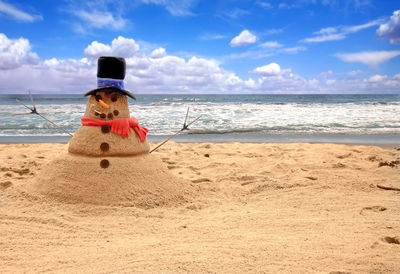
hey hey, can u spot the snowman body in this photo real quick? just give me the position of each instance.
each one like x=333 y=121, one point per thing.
x=100 y=140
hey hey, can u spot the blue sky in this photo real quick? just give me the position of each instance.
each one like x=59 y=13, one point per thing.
x=306 y=46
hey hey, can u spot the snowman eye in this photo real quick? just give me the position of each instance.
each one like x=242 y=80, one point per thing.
x=98 y=98
x=114 y=97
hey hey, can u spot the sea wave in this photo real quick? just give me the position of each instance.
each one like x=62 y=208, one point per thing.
x=164 y=115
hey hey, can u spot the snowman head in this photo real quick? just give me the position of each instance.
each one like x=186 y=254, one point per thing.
x=109 y=100
x=107 y=104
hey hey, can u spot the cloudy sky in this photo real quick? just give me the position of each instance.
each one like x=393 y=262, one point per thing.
x=189 y=46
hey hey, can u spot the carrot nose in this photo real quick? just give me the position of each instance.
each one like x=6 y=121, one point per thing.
x=104 y=104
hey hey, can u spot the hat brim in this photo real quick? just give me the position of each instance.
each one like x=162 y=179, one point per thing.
x=124 y=92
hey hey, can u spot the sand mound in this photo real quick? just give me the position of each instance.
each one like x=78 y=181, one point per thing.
x=141 y=181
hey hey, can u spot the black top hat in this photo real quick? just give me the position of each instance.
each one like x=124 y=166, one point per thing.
x=111 y=75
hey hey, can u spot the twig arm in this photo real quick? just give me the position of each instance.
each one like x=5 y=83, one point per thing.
x=23 y=104
x=54 y=124
x=44 y=118
x=169 y=138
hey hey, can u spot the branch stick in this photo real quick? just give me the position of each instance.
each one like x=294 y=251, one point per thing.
x=169 y=138
x=187 y=113
x=23 y=104
x=45 y=118
x=54 y=124
x=388 y=187
x=30 y=95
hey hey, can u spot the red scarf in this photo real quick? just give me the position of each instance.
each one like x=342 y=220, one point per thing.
x=120 y=126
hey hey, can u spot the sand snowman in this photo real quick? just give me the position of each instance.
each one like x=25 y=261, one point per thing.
x=108 y=160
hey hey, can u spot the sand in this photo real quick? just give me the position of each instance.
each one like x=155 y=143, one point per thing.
x=288 y=208
x=136 y=181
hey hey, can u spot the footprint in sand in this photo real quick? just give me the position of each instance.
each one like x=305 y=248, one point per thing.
x=394 y=163
x=372 y=209
x=201 y=180
x=344 y=156
x=22 y=171
x=374 y=158
x=339 y=165
x=311 y=178
x=170 y=162
x=391 y=240
x=4 y=185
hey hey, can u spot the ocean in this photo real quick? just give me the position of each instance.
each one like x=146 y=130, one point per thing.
x=363 y=119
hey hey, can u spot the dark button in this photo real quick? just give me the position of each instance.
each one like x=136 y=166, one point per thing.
x=104 y=146
x=104 y=163
x=110 y=116
x=96 y=113
x=105 y=128
x=103 y=115
x=116 y=112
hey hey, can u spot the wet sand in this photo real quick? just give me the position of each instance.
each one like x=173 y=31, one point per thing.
x=288 y=208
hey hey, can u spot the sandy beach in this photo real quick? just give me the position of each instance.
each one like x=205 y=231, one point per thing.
x=259 y=208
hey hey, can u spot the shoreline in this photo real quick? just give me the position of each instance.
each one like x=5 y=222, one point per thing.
x=384 y=141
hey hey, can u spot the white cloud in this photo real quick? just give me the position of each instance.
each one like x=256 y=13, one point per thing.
x=347 y=4
x=18 y=14
x=330 y=82
x=96 y=49
x=209 y=36
x=326 y=73
x=313 y=82
x=357 y=28
x=124 y=47
x=265 y=5
x=174 y=7
x=157 y=72
x=338 y=32
x=391 y=29
x=120 y=46
x=328 y=30
x=293 y=50
x=15 y=53
x=266 y=52
x=355 y=72
x=233 y=14
x=158 y=53
x=376 y=78
x=288 y=6
x=271 y=44
x=272 y=31
x=370 y=58
x=244 y=38
x=271 y=69
x=100 y=19
x=324 y=38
